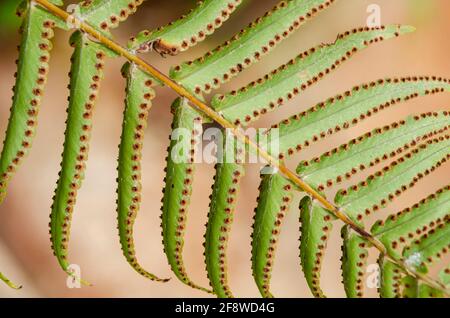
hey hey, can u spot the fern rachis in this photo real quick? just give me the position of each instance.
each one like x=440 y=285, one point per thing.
x=419 y=144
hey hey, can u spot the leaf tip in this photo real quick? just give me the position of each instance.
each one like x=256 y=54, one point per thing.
x=404 y=29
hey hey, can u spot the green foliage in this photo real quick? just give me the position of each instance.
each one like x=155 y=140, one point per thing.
x=31 y=77
x=354 y=259
x=177 y=192
x=284 y=83
x=186 y=32
x=428 y=248
x=248 y=46
x=220 y=218
x=390 y=279
x=87 y=59
x=369 y=150
x=8 y=19
x=316 y=224
x=37 y=31
x=350 y=108
x=139 y=94
x=404 y=227
x=420 y=234
x=383 y=186
x=275 y=195
x=401 y=154
x=107 y=14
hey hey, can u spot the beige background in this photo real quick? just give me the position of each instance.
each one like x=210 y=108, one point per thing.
x=25 y=254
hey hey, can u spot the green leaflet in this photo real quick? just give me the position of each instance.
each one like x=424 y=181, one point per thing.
x=247 y=47
x=402 y=228
x=370 y=149
x=347 y=109
x=106 y=14
x=378 y=189
x=85 y=76
x=220 y=219
x=316 y=224
x=427 y=249
x=139 y=93
x=410 y=287
x=282 y=84
x=390 y=279
x=186 y=130
x=354 y=261
x=37 y=31
x=275 y=195
x=34 y=55
x=425 y=291
x=5 y=279
x=186 y=32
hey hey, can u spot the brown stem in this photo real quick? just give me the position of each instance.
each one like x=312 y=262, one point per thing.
x=205 y=109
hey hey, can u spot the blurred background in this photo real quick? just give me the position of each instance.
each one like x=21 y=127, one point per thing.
x=25 y=254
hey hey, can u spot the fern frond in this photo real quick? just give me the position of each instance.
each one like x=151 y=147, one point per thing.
x=368 y=150
x=316 y=224
x=248 y=46
x=275 y=196
x=201 y=21
x=106 y=14
x=194 y=27
x=178 y=185
x=139 y=94
x=172 y=39
x=354 y=261
x=389 y=182
x=400 y=229
x=31 y=77
x=426 y=138
x=351 y=107
x=220 y=218
x=280 y=85
x=85 y=77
